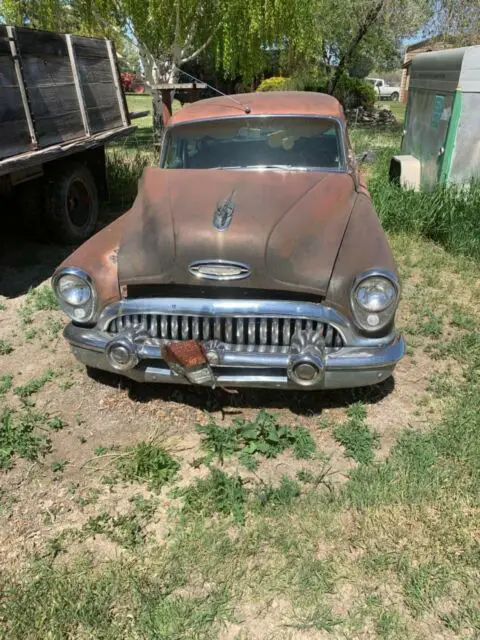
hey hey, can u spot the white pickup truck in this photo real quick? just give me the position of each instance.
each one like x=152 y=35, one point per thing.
x=384 y=90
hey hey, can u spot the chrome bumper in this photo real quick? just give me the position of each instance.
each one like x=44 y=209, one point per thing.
x=350 y=366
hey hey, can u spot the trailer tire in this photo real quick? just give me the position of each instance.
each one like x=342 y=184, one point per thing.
x=72 y=203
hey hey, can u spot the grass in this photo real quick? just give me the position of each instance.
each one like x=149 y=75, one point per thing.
x=127 y=158
x=354 y=435
x=390 y=552
x=447 y=215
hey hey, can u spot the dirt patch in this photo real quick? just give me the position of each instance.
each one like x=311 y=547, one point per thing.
x=107 y=414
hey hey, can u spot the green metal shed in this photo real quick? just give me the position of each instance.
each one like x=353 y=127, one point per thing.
x=441 y=141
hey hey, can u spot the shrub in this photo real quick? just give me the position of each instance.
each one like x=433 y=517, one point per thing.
x=354 y=92
x=277 y=84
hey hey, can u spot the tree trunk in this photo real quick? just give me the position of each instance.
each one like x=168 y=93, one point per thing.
x=165 y=72
x=370 y=19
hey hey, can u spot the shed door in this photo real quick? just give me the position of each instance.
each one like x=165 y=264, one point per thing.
x=427 y=125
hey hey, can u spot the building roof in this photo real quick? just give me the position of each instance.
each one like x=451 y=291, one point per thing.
x=439 y=41
x=306 y=103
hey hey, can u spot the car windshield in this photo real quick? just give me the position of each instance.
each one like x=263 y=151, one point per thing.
x=253 y=142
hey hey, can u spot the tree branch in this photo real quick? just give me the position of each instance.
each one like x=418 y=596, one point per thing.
x=370 y=19
x=196 y=53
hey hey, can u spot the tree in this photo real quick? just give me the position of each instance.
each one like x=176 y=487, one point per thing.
x=371 y=28
x=170 y=33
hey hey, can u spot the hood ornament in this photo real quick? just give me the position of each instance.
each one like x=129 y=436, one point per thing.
x=219 y=270
x=222 y=216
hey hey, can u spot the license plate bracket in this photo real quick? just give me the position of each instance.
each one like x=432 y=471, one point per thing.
x=189 y=359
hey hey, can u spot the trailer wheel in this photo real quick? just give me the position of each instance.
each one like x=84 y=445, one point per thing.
x=72 y=203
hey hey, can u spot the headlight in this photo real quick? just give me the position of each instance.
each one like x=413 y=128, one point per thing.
x=76 y=294
x=374 y=299
x=375 y=293
x=74 y=290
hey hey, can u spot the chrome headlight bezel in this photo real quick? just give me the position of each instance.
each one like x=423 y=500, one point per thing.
x=374 y=321
x=89 y=308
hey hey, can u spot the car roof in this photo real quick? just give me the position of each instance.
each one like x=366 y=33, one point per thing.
x=306 y=103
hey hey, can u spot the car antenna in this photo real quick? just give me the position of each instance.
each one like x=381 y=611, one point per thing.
x=244 y=107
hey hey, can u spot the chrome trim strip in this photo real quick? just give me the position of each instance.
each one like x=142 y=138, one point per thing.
x=244 y=270
x=275 y=333
x=347 y=367
x=240 y=330
x=195 y=328
x=207 y=309
x=228 y=330
x=206 y=328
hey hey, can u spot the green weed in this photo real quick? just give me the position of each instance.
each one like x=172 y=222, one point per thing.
x=462 y=318
x=5 y=347
x=217 y=493
x=146 y=462
x=5 y=384
x=42 y=299
x=355 y=436
x=126 y=530
x=283 y=495
x=58 y=466
x=263 y=435
x=19 y=438
x=39 y=299
x=89 y=497
x=34 y=385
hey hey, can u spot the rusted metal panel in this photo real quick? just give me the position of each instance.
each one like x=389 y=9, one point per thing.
x=305 y=103
x=286 y=226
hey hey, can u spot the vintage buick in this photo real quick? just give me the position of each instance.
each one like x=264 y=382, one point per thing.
x=252 y=257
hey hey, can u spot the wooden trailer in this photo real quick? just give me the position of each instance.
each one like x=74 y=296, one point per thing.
x=61 y=101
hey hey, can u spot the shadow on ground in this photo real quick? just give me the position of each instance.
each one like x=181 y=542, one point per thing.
x=26 y=263
x=298 y=402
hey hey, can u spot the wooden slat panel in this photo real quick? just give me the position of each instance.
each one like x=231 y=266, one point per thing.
x=14 y=134
x=99 y=92
x=51 y=88
x=104 y=118
x=4 y=45
x=32 y=42
x=90 y=47
x=52 y=94
x=14 y=138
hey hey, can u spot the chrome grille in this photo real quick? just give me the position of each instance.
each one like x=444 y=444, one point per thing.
x=249 y=331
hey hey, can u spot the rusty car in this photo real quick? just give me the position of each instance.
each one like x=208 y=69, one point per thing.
x=251 y=257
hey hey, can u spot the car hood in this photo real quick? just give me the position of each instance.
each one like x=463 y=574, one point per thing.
x=286 y=227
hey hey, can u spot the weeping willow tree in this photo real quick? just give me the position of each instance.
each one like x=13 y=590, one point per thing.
x=239 y=34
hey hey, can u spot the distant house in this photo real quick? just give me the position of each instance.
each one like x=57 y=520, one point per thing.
x=431 y=44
